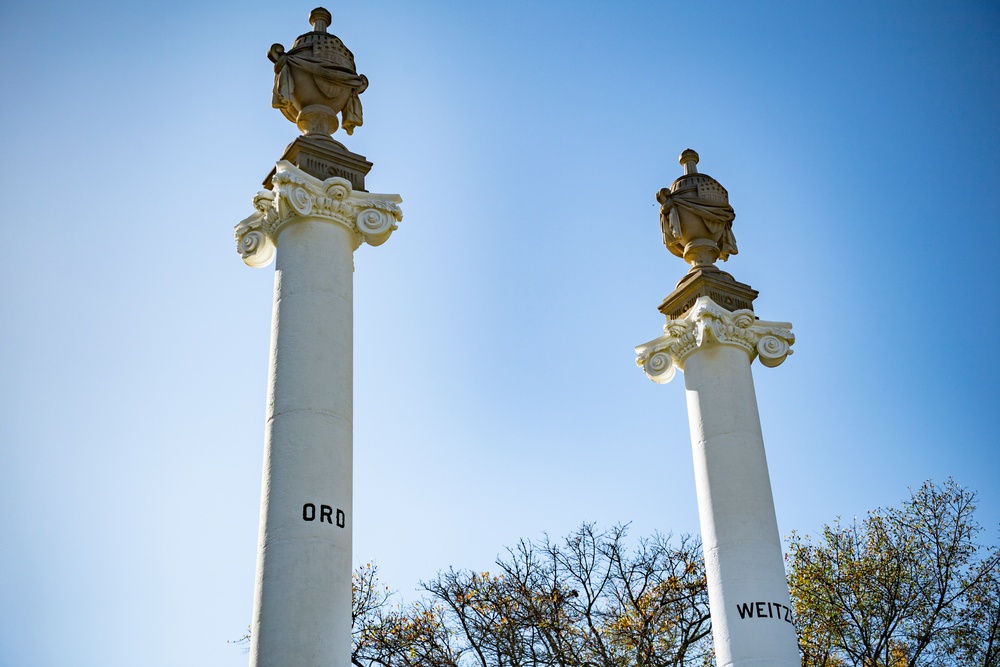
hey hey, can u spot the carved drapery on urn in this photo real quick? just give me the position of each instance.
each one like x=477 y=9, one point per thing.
x=696 y=218
x=295 y=194
x=710 y=324
x=317 y=79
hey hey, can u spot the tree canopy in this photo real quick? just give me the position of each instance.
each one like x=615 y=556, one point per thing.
x=905 y=586
x=587 y=600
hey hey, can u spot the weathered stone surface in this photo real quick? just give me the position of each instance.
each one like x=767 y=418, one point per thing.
x=696 y=221
x=316 y=79
x=708 y=324
x=709 y=282
x=695 y=216
x=296 y=195
x=322 y=157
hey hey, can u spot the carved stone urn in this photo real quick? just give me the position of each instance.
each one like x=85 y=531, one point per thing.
x=696 y=218
x=316 y=80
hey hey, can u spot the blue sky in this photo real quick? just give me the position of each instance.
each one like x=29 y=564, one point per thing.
x=496 y=395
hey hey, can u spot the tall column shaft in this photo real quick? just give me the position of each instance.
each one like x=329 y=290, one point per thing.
x=752 y=623
x=302 y=598
x=748 y=594
x=302 y=593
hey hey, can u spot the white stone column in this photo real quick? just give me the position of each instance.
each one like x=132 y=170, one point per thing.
x=752 y=622
x=302 y=597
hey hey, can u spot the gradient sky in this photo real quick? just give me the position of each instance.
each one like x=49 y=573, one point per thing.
x=496 y=394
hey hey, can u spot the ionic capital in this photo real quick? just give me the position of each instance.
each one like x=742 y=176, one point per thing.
x=708 y=324
x=295 y=195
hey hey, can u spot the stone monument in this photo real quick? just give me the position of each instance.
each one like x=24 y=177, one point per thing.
x=712 y=335
x=312 y=215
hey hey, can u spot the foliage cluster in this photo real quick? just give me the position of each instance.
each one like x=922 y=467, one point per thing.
x=905 y=586
x=586 y=601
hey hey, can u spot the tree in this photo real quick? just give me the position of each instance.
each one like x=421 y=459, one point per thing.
x=907 y=586
x=586 y=601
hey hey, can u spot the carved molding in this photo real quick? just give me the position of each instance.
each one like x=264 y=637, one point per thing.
x=708 y=323
x=295 y=195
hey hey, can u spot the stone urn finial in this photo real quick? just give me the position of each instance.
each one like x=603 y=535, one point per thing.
x=316 y=80
x=696 y=218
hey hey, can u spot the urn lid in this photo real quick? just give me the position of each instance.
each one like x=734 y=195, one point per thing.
x=323 y=46
x=693 y=185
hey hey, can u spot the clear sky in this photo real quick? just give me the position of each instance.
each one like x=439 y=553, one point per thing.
x=496 y=394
